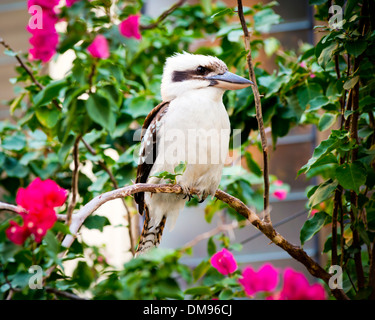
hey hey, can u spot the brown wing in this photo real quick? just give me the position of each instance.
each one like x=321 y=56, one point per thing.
x=148 y=150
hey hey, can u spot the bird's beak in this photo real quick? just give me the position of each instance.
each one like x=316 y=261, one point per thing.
x=229 y=81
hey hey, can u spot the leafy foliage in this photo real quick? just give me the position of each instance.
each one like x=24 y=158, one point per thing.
x=100 y=103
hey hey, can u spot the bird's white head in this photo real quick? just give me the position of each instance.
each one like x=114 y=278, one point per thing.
x=184 y=72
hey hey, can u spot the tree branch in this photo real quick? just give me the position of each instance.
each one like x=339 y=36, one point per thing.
x=294 y=251
x=165 y=14
x=75 y=175
x=258 y=107
x=9 y=207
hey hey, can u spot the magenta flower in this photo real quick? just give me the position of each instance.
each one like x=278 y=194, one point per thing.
x=44 y=38
x=312 y=76
x=36 y=207
x=224 y=262
x=303 y=64
x=69 y=3
x=50 y=4
x=266 y=279
x=297 y=287
x=280 y=194
x=129 y=28
x=99 y=48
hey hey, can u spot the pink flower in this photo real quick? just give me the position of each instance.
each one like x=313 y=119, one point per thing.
x=303 y=64
x=16 y=233
x=224 y=262
x=43 y=3
x=37 y=201
x=41 y=194
x=313 y=211
x=266 y=279
x=129 y=28
x=99 y=48
x=44 y=38
x=297 y=287
x=278 y=183
x=312 y=75
x=69 y=3
x=280 y=194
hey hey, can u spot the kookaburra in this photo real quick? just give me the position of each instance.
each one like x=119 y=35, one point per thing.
x=190 y=126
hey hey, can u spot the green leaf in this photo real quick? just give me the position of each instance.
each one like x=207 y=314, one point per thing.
x=50 y=92
x=264 y=19
x=15 y=142
x=252 y=164
x=323 y=192
x=100 y=112
x=52 y=245
x=83 y=275
x=318 y=102
x=226 y=294
x=96 y=222
x=180 y=168
x=207 y=6
x=14 y=168
x=139 y=106
x=351 y=175
x=47 y=117
x=326 y=121
x=327 y=53
x=271 y=45
x=198 y=291
x=312 y=226
x=351 y=83
x=211 y=246
x=325 y=147
x=307 y=93
x=201 y=269
x=226 y=11
x=356 y=47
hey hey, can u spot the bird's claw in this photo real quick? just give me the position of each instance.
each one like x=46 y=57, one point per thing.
x=186 y=192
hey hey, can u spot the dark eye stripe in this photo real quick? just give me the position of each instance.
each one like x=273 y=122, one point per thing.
x=179 y=76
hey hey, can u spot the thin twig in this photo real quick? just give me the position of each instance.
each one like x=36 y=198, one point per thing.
x=22 y=64
x=165 y=14
x=9 y=207
x=29 y=72
x=75 y=175
x=258 y=107
x=64 y=294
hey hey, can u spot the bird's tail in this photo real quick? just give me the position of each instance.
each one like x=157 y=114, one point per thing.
x=151 y=234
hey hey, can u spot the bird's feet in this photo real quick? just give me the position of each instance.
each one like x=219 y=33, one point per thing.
x=186 y=192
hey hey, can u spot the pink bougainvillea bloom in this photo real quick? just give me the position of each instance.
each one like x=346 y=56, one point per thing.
x=69 y=3
x=44 y=38
x=280 y=194
x=99 y=48
x=129 y=28
x=224 y=262
x=43 y=3
x=16 y=233
x=36 y=203
x=266 y=279
x=278 y=183
x=297 y=287
x=312 y=75
x=41 y=194
x=303 y=64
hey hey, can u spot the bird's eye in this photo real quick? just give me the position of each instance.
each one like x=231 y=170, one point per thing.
x=201 y=70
